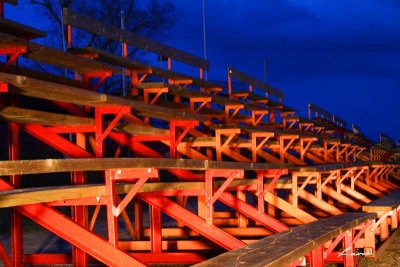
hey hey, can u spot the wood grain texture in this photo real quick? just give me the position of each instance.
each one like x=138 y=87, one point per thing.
x=67 y=165
x=142 y=67
x=282 y=248
x=26 y=86
x=111 y=32
x=320 y=110
x=244 y=77
x=56 y=57
x=19 y=30
x=386 y=203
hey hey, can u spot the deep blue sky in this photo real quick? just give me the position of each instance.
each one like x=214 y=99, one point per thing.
x=341 y=55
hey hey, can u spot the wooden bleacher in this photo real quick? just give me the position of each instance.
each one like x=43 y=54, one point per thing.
x=20 y=30
x=55 y=57
x=181 y=147
x=289 y=246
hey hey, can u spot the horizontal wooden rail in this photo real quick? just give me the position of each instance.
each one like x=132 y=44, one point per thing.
x=99 y=28
x=283 y=248
x=243 y=77
x=20 y=167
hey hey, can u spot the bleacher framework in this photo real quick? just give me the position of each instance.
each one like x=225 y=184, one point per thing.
x=187 y=168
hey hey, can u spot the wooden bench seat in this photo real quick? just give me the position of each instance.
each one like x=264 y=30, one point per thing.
x=130 y=64
x=253 y=82
x=287 y=111
x=254 y=107
x=26 y=86
x=330 y=167
x=256 y=98
x=22 y=167
x=140 y=130
x=56 y=57
x=386 y=203
x=110 y=58
x=29 y=116
x=18 y=70
x=172 y=105
x=19 y=30
x=96 y=27
x=287 y=246
x=23 y=116
x=213 y=113
x=221 y=100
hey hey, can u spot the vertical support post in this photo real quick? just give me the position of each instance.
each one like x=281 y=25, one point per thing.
x=138 y=210
x=242 y=220
x=169 y=63
x=155 y=229
x=272 y=116
x=319 y=186
x=209 y=195
x=99 y=149
x=271 y=208
x=218 y=144
x=1 y=8
x=384 y=229
x=350 y=258
x=172 y=139
x=69 y=36
x=229 y=84
x=295 y=189
x=281 y=149
x=317 y=257
x=260 y=190
x=134 y=83
x=112 y=221
x=17 y=248
x=80 y=216
x=16 y=219
x=369 y=237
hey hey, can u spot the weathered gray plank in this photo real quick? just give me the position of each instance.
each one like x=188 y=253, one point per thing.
x=320 y=110
x=111 y=32
x=243 y=77
x=56 y=57
x=19 y=30
x=22 y=115
x=386 y=203
x=282 y=248
x=23 y=85
x=67 y=165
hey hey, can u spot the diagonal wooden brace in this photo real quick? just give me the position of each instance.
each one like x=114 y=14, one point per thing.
x=174 y=140
x=120 y=111
x=362 y=231
x=102 y=75
x=333 y=245
x=234 y=174
x=13 y=52
x=4 y=256
x=128 y=198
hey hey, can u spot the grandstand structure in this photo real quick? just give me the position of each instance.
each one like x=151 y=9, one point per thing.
x=183 y=170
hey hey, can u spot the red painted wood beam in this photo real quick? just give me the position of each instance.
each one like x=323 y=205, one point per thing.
x=4 y=256
x=56 y=141
x=194 y=222
x=251 y=212
x=62 y=226
x=145 y=151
